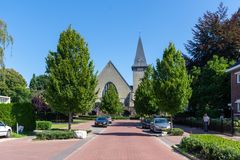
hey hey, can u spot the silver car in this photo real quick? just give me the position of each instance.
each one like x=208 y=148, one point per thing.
x=159 y=124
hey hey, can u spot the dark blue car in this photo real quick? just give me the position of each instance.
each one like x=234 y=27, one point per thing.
x=101 y=121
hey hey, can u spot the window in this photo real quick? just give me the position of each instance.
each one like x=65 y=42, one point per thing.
x=107 y=86
x=238 y=78
x=238 y=107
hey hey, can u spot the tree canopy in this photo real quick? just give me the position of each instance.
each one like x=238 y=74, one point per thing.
x=72 y=81
x=5 y=40
x=110 y=103
x=215 y=34
x=145 y=101
x=14 y=86
x=211 y=87
x=171 y=82
x=38 y=85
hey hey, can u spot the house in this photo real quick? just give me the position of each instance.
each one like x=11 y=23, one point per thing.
x=235 y=87
x=5 y=99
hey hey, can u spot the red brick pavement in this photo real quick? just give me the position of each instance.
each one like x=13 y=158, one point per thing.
x=123 y=141
x=27 y=149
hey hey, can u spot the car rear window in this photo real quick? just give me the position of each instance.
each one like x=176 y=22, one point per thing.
x=160 y=121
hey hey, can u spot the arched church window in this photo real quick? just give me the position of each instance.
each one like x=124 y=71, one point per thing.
x=107 y=85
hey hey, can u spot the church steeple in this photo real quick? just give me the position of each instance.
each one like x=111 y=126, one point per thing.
x=140 y=60
x=139 y=66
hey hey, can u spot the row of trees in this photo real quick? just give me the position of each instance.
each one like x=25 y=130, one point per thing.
x=166 y=87
x=214 y=48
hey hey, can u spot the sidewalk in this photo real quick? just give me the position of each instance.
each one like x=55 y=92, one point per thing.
x=194 y=130
x=173 y=140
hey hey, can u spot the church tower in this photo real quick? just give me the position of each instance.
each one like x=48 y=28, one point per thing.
x=139 y=66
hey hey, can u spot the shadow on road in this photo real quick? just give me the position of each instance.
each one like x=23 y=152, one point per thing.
x=123 y=134
x=130 y=124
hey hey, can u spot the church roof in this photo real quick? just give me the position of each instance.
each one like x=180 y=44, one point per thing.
x=113 y=66
x=140 y=60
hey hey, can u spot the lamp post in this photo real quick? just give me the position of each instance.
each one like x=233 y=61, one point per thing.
x=232 y=119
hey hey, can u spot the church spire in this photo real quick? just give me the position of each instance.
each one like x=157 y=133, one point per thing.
x=140 y=60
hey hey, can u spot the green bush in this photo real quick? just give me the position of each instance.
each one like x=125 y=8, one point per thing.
x=43 y=125
x=21 y=113
x=6 y=114
x=55 y=134
x=211 y=147
x=175 y=132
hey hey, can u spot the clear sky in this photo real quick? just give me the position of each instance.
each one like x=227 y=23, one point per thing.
x=110 y=27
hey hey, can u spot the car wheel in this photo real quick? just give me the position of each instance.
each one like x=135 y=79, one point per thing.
x=8 y=134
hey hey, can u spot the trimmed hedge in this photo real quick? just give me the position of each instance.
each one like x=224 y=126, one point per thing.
x=175 y=132
x=211 y=147
x=43 y=125
x=55 y=134
x=21 y=113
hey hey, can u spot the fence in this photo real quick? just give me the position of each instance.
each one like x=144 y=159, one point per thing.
x=218 y=125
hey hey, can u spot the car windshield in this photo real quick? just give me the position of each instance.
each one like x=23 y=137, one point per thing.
x=161 y=121
x=1 y=124
x=101 y=118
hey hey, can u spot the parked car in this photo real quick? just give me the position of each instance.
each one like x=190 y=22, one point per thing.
x=109 y=118
x=146 y=123
x=159 y=124
x=101 y=121
x=5 y=130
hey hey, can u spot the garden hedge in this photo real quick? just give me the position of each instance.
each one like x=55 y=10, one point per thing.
x=211 y=147
x=55 y=134
x=43 y=125
x=21 y=113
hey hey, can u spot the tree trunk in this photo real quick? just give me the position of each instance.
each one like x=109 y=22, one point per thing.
x=69 y=120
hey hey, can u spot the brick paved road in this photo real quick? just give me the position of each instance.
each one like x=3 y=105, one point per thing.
x=124 y=141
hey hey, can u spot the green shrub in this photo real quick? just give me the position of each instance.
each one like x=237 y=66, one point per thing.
x=211 y=147
x=6 y=114
x=25 y=116
x=55 y=134
x=175 y=132
x=21 y=113
x=43 y=125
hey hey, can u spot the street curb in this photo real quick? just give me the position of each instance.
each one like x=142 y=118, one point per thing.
x=191 y=157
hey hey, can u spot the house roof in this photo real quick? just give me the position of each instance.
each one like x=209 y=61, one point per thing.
x=140 y=60
x=233 y=67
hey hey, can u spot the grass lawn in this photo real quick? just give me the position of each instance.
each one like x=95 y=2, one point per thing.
x=65 y=125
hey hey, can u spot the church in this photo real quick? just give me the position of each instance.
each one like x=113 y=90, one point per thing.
x=111 y=75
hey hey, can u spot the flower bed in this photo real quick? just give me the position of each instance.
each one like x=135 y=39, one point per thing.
x=211 y=147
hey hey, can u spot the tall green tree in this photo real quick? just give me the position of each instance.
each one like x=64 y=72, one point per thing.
x=211 y=88
x=72 y=81
x=14 y=86
x=5 y=40
x=215 y=34
x=145 y=101
x=110 y=101
x=171 y=82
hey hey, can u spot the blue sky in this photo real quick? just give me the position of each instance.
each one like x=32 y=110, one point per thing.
x=110 y=27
